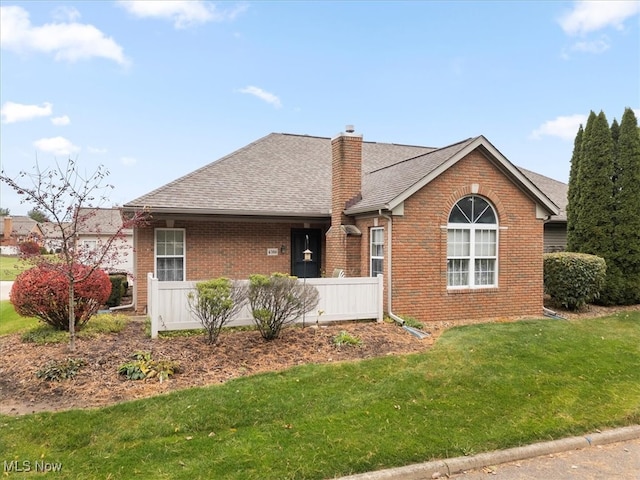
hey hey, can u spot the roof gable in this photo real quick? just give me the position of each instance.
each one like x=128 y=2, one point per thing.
x=391 y=186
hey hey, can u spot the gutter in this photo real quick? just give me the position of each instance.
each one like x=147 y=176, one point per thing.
x=413 y=331
x=129 y=305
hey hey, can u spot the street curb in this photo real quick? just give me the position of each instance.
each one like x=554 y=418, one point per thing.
x=450 y=466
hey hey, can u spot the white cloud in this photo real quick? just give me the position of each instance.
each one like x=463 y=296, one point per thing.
x=183 y=13
x=262 y=95
x=69 y=41
x=591 y=15
x=128 y=161
x=56 y=145
x=70 y=14
x=594 y=46
x=96 y=150
x=17 y=112
x=61 y=121
x=562 y=127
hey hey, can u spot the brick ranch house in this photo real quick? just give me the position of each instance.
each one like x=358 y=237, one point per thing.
x=457 y=232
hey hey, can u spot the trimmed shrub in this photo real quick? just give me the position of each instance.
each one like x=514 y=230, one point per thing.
x=118 y=288
x=214 y=303
x=43 y=292
x=278 y=300
x=573 y=279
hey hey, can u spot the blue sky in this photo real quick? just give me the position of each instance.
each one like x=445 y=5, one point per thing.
x=154 y=90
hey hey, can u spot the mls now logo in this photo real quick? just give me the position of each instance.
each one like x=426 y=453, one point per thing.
x=28 y=466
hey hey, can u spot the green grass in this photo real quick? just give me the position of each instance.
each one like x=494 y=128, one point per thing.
x=11 y=322
x=480 y=388
x=36 y=331
x=101 y=323
x=10 y=267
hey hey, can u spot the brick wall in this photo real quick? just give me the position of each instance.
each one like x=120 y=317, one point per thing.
x=420 y=249
x=215 y=249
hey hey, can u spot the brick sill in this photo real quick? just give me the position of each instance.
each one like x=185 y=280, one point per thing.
x=467 y=291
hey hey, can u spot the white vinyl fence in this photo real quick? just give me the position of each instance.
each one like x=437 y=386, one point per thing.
x=342 y=298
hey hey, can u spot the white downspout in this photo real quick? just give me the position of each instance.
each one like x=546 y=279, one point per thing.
x=389 y=270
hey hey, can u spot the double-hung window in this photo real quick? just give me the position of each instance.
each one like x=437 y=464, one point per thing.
x=472 y=244
x=377 y=250
x=170 y=261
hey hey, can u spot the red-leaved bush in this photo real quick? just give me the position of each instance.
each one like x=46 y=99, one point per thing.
x=29 y=248
x=43 y=292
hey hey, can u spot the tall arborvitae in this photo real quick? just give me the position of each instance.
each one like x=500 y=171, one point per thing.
x=626 y=233
x=615 y=134
x=573 y=199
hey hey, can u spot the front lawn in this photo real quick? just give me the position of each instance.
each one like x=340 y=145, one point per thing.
x=11 y=322
x=481 y=387
x=10 y=267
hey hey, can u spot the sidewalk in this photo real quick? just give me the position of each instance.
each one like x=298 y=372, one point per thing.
x=613 y=454
x=5 y=288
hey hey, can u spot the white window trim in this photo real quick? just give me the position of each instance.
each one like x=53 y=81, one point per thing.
x=371 y=255
x=473 y=227
x=183 y=256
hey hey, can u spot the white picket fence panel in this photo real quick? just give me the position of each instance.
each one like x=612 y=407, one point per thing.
x=341 y=299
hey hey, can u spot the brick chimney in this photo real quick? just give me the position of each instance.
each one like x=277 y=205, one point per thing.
x=7 y=229
x=343 y=246
x=346 y=174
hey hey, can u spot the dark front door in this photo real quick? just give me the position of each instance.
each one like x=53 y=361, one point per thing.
x=300 y=241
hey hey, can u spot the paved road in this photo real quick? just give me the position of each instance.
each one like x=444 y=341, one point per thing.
x=619 y=461
x=607 y=455
x=5 y=288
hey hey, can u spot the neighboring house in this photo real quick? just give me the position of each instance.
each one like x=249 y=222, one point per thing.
x=19 y=229
x=555 y=229
x=52 y=237
x=98 y=226
x=457 y=232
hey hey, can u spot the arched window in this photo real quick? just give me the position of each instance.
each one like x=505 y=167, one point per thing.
x=472 y=244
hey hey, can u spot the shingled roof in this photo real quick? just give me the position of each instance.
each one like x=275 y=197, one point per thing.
x=290 y=175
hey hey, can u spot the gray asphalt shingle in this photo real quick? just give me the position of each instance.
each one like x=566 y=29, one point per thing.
x=290 y=175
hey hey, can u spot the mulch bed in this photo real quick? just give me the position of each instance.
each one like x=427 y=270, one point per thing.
x=237 y=354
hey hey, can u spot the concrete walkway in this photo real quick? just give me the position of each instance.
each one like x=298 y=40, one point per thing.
x=5 y=288
x=613 y=454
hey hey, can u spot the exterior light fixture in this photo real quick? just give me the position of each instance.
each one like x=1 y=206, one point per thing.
x=307 y=255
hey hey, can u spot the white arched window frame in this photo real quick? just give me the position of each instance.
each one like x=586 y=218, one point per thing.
x=472 y=244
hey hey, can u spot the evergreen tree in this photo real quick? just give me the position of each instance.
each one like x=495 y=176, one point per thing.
x=573 y=202
x=37 y=215
x=626 y=233
x=593 y=228
x=615 y=134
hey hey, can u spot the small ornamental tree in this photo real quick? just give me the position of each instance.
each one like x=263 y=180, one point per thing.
x=69 y=200
x=215 y=302
x=43 y=292
x=278 y=300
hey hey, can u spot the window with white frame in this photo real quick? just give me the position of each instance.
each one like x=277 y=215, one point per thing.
x=169 y=253
x=377 y=250
x=89 y=244
x=472 y=244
